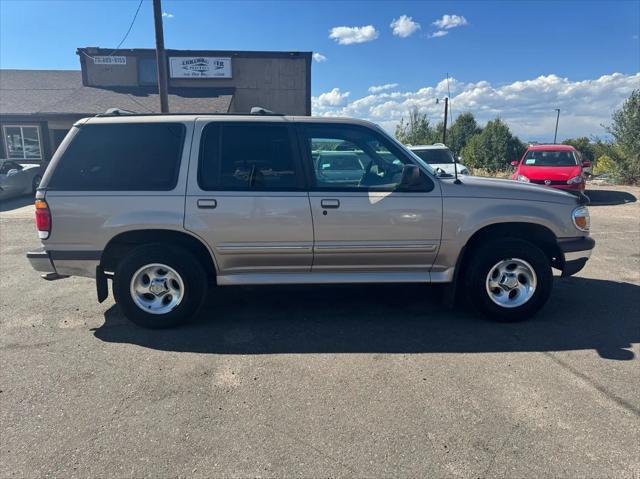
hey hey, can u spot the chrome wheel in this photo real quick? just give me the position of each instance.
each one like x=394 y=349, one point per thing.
x=511 y=282
x=157 y=288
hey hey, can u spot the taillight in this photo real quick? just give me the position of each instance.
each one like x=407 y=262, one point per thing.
x=43 y=219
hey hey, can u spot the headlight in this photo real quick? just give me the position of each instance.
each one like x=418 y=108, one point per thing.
x=464 y=172
x=575 y=180
x=522 y=178
x=581 y=219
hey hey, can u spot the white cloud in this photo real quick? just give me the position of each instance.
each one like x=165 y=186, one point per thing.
x=331 y=98
x=451 y=21
x=167 y=15
x=404 y=26
x=527 y=105
x=350 y=35
x=319 y=57
x=439 y=33
x=379 y=88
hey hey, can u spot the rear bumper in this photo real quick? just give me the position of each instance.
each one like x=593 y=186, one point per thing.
x=41 y=261
x=65 y=263
x=576 y=252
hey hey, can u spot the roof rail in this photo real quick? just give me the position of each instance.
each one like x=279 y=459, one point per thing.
x=116 y=112
x=258 y=110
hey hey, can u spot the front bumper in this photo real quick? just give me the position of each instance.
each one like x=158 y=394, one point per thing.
x=576 y=252
x=572 y=187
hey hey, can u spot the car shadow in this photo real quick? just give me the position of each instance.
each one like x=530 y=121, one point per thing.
x=16 y=202
x=390 y=319
x=610 y=197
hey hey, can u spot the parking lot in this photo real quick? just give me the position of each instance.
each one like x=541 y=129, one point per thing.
x=352 y=381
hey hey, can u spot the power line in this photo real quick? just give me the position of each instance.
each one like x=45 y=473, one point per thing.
x=133 y=20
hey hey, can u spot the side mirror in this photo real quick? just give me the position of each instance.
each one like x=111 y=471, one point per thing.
x=12 y=172
x=586 y=164
x=515 y=163
x=412 y=178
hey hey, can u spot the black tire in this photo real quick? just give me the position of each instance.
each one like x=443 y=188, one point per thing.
x=483 y=260
x=35 y=183
x=189 y=270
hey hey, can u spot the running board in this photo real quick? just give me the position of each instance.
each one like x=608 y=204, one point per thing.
x=323 y=278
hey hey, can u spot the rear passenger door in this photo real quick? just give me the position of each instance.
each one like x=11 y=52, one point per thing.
x=247 y=199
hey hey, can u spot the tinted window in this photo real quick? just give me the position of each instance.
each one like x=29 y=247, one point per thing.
x=134 y=156
x=549 y=158
x=243 y=156
x=351 y=158
x=435 y=157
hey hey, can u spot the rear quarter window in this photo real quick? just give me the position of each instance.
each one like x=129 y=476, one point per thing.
x=119 y=157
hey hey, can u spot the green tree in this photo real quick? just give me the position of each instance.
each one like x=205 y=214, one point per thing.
x=584 y=146
x=494 y=148
x=436 y=133
x=415 y=131
x=625 y=130
x=461 y=132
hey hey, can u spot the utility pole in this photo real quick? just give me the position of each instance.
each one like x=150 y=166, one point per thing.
x=446 y=112
x=555 y=136
x=161 y=58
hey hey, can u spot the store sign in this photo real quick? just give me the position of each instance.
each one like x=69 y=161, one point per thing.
x=200 y=67
x=110 y=60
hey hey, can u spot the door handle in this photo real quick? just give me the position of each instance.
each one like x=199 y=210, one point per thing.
x=330 y=204
x=207 y=204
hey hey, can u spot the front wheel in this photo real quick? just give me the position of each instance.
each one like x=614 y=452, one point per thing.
x=159 y=286
x=509 y=280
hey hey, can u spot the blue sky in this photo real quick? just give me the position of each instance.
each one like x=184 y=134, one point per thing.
x=487 y=47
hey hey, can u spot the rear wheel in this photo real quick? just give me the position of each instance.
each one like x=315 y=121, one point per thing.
x=509 y=280
x=159 y=286
x=35 y=183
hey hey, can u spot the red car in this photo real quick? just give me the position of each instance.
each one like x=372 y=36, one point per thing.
x=558 y=166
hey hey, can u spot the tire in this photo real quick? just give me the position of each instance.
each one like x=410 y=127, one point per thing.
x=179 y=282
x=35 y=183
x=510 y=294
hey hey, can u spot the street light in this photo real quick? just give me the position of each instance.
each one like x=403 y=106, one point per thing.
x=446 y=112
x=555 y=136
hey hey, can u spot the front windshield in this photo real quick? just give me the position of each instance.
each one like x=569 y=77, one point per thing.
x=550 y=158
x=435 y=156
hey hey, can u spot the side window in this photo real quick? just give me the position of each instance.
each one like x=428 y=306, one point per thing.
x=351 y=158
x=247 y=156
x=121 y=157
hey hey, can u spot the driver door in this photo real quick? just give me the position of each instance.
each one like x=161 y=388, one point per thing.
x=362 y=219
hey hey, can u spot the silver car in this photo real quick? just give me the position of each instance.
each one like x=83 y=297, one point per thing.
x=18 y=179
x=167 y=206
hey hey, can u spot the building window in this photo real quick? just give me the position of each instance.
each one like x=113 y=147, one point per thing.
x=147 y=71
x=22 y=142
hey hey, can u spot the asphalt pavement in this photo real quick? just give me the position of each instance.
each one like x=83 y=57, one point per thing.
x=324 y=381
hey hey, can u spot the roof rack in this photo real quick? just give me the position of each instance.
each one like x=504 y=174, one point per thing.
x=256 y=110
